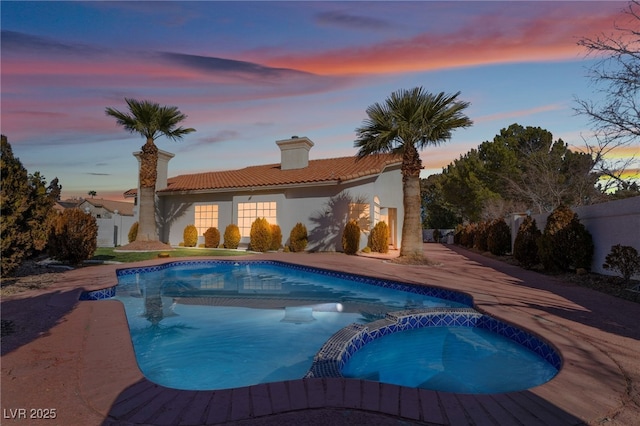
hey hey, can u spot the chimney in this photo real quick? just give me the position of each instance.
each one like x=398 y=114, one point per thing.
x=294 y=152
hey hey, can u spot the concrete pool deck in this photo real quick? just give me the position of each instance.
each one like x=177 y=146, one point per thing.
x=76 y=358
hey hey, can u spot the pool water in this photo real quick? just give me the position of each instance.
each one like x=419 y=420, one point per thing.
x=450 y=359
x=218 y=325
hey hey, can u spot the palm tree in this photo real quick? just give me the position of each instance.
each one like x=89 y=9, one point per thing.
x=407 y=121
x=151 y=121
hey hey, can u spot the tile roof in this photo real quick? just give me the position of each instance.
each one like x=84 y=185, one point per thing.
x=330 y=170
x=124 y=208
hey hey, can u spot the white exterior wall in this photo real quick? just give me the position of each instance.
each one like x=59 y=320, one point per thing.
x=322 y=209
x=114 y=231
x=615 y=222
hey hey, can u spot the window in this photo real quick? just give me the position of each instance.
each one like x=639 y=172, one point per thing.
x=360 y=213
x=249 y=212
x=206 y=217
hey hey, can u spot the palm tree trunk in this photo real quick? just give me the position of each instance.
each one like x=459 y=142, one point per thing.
x=147 y=230
x=411 y=245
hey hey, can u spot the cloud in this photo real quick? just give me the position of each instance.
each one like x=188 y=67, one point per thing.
x=22 y=43
x=487 y=39
x=519 y=113
x=210 y=64
x=346 y=20
x=98 y=174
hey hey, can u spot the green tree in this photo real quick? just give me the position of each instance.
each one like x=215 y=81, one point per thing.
x=26 y=208
x=464 y=187
x=410 y=120
x=437 y=212
x=151 y=121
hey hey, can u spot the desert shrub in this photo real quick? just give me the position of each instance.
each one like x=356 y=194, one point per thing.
x=565 y=243
x=133 y=232
x=525 y=246
x=276 y=237
x=212 y=237
x=260 y=235
x=190 y=236
x=231 y=236
x=351 y=237
x=480 y=237
x=467 y=235
x=437 y=235
x=623 y=259
x=499 y=237
x=298 y=238
x=73 y=237
x=379 y=238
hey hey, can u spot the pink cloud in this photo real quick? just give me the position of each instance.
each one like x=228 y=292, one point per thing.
x=551 y=37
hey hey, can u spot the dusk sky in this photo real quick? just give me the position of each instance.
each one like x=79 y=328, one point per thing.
x=249 y=73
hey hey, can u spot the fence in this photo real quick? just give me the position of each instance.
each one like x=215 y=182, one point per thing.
x=615 y=222
x=114 y=231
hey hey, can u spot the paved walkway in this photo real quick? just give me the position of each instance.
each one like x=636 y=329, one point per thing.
x=74 y=360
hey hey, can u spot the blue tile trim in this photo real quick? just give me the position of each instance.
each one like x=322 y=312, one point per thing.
x=335 y=353
x=441 y=293
x=105 y=293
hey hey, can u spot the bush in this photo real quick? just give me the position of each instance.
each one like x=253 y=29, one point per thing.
x=212 y=237
x=73 y=237
x=437 y=235
x=231 y=236
x=133 y=232
x=480 y=237
x=379 y=238
x=467 y=235
x=565 y=243
x=260 y=235
x=624 y=260
x=499 y=237
x=525 y=246
x=351 y=237
x=298 y=238
x=190 y=236
x=276 y=238
x=367 y=249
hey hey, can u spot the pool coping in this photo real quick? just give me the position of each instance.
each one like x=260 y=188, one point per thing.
x=597 y=382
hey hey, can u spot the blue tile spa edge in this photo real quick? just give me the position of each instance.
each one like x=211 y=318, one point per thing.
x=335 y=353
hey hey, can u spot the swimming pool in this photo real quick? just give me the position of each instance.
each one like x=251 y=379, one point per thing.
x=205 y=325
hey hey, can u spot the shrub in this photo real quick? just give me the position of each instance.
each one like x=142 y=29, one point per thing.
x=260 y=235
x=525 y=246
x=73 y=237
x=379 y=238
x=480 y=237
x=624 y=260
x=231 y=236
x=367 y=249
x=133 y=232
x=276 y=238
x=565 y=242
x=298 y=238
x=212 y=237
x=467 y=235
x=190 y=236
x=351 y=237
x=499 y=237
x=437 y=235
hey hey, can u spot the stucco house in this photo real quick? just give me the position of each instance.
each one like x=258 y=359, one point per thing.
x=322 y=194
x=105 y=209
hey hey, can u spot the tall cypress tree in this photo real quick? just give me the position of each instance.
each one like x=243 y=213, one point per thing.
x=27 y=208
x=16 y=202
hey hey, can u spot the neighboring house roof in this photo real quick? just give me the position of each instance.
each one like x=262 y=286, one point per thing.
x=124 y=208
x=66 y=204
x=325 y=171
